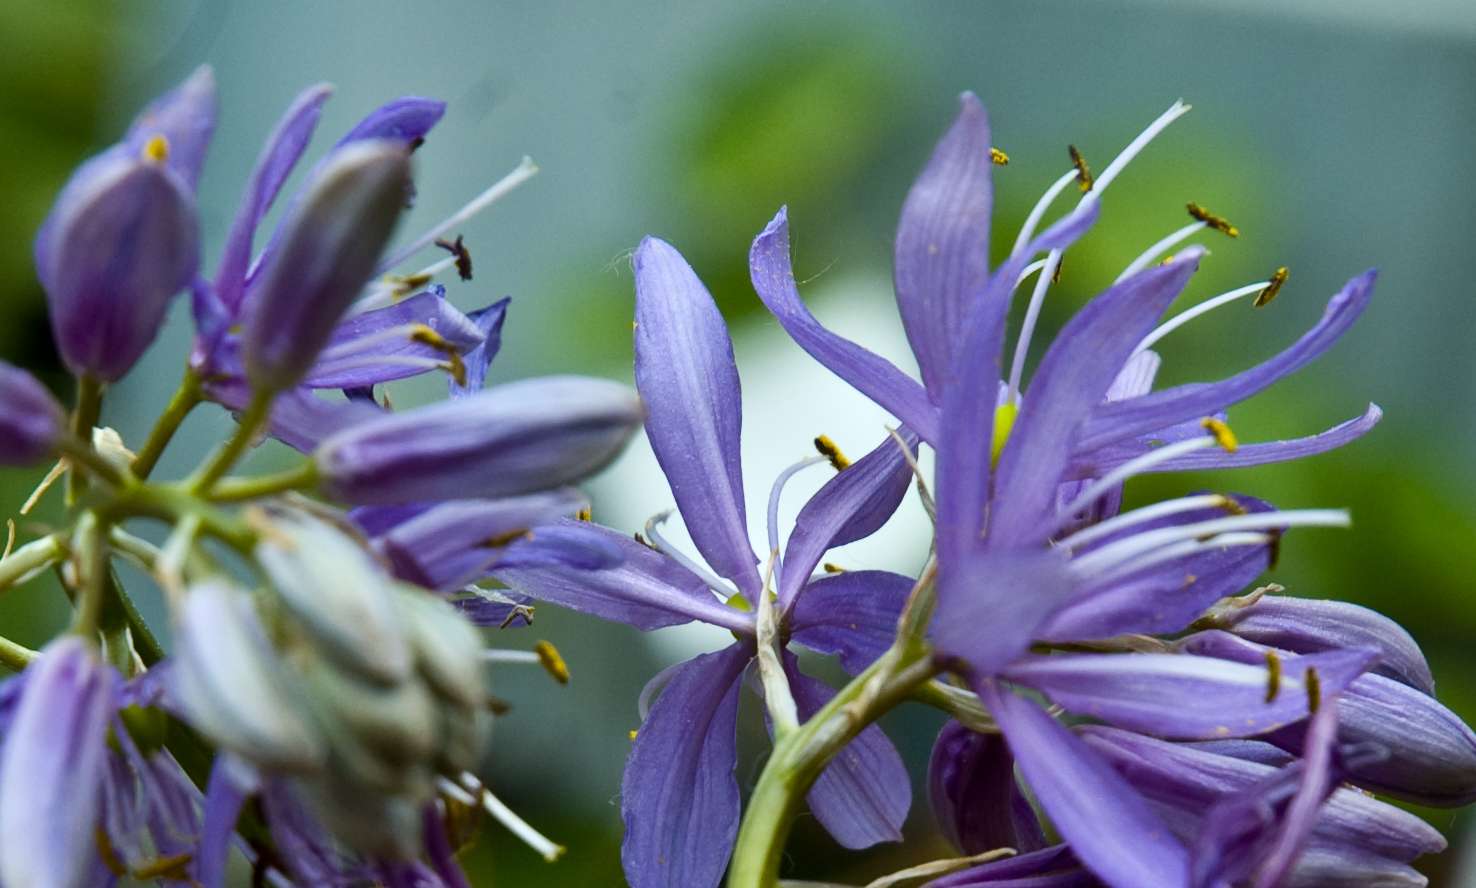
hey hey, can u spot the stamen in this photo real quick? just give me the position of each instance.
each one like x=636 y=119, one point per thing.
x=1028 y=270
x=1205 y=531
x=500 y=189
x=584 y=514
x=459 y=254
x=1204 y=307
x=428 y=337
x=922 y=483
x=836 y=459
x=1278 y=277
x=998 y=157
x=1037 y=212
x=831 y=567
x=1174 y=552
x=549 y=850
x=1273 y=676
x=1135 y=466
x=552 y=662
x=156 y=149
x=1314 y=689
x=1218 y=223
x=1148 y=255
x=1221 y=433
x=720 y=588
x=1083 y=172
x=830 y=451
x=634 y=734
x=1119 y=163
x=449 y=789
x=1056 y=274
x=507 y=657
x=1112 y=525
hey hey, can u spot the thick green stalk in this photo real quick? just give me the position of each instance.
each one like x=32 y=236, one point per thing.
x=84 y=418
x=15 y=656
x=303 y=477
x=171 y=504
x=34 y=556
x=185 y=398
x=92 y=564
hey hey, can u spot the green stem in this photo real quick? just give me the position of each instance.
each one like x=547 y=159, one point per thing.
x=252 y=419
x=34 y=556
x=170 y=503
x=186 y=398
x=303 y=477
x=121 y=612
x=16 y=656
x=82 y=455
x=84 y=420
x=92 y=561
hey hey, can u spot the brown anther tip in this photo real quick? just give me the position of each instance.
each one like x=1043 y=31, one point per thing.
x=1084 y=178
x=1314 y=689
x=1218 y=223
x=1273 y=286
x=1056 y=275
x=831 y=567
x=643 y=541
x=998 y=157
x=830 y=451
x=1167 y=260
x=458 y=249
x=584 y=514
x=415 y=143
x=1221 y=433
x=1231 y=505
x=1273 y=676
x=1273 y=549
x=497 y=705
x=552 y=661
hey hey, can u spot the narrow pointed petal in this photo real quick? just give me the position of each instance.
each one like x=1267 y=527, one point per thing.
x=185 y=117
x=1189 y=697
x=231 y=781
x=1108 y=825
x=1307 y=625
x=852 y=615
x=488 y=322
x=862 y=796
x=300 y=419
x=358 y=354
x=647 y=590
x=679 y=798
x=1013 y=593
x=278 y=156
x=686 y=376
x=975 y=797
x=851 y=506
x=31 y=421
x=512 y=439
x=1072 y=378
x=52 y=765
x=405 y=119
x=1318 y=778
x=868 y=373
x=1139 y=416
x=567 y=543
x=941 y=260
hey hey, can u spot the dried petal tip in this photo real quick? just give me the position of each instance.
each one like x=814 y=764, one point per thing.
x=1218 y=223
x=1273 y=286
x=1084 y=178
x=830 y=451
x=30 y=419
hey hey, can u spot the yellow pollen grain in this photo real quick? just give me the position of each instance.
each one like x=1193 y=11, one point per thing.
x=998 y=157
x=1221 y=433
x=1218 y=223
x=156 y=149
x=1084 y=178
x=1278 y=277
x=1273 y=676
x=633 y=734
x=552 y=662
x=830 y=451
x=454 y=365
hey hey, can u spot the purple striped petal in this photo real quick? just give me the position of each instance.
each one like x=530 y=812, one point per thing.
x=231 y=782
x=941 y=259
x=185 y=117
x=1317 y=780
x=851 y=506
x=1139 y=416
x=1012 y=593
x=52 y=765
x=278 y=156
x=31 y=420
x=862 y=796
x=407 y=119
x=568 y=543
x=868 y=373
x=1072 y=378
x=679 y=799
x=1188 y=697
x=1307 y=625
x=300 y=419
x=852 y=615
x=358 y=354
x=685 y=373
x=974 y=794
x=1108 y=825
x=648 y=590
x=488 y=322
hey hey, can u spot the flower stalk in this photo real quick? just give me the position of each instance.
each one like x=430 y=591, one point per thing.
x=186 y=398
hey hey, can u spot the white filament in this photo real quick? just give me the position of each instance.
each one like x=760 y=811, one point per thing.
x=774 y=493
x=1134 y=466
x=1174 y=552
x=1126 y=550
x=384 y=292
x=1204 y=307
x=1032 y=221
x=1089 y=535
x=499 y=189
x=720 y=588
x=1159 y=249
x=516 y=825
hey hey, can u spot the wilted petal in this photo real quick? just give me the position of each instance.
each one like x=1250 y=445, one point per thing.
x=1012 y=593
x=975 y=797
x=1307 y=625
x=852 y=614
x=488 y=322
x=508 y=440
x=868 y=373
x=1188 y=697
x=1139 y=416
x=851 y=506
x=1108 y=825
x=941 y=260
x=31 y=420
x=52 y=765
x=679 y=799
x=185 y=117
x=1072 y=378
x=359 y=354
x=647 y=590
x=685 y=373
x=330 y=243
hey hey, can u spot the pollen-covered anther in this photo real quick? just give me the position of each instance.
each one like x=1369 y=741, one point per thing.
x=1273 y=549
x=1221 y=433
x=156 y=149
x=503 y=539
x=831 y=567
x=1231 y=505
x=1084 y=178
x=1218 y=223
x=1273 y=286
x=830 y=451
x=457 y=248
x=1273 y=676
x=998 y=157
x=633 y=734
x=552 y=662
x=1056 y=274
x=454 y=365
x=584 y=514
x=1314 y=689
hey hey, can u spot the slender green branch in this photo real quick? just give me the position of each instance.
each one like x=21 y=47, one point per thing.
x=121 y=611
x=84 y=419
x=81 y=455
x=16 y=656
x=92 y=562
x=33 y=557
x=302 y=477
x=171 y=504
x=250 y=425
x=186 y=398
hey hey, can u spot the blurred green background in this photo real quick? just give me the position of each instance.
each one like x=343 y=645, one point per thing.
x=1335 y=135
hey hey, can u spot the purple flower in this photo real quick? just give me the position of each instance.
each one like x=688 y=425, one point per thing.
x=30 y=419
x=680 y=800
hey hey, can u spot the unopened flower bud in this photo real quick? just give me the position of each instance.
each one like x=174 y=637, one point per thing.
x=512 y=439
x=30 y=419
x=972 y=787
x=447 y=648
x=328 y=250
